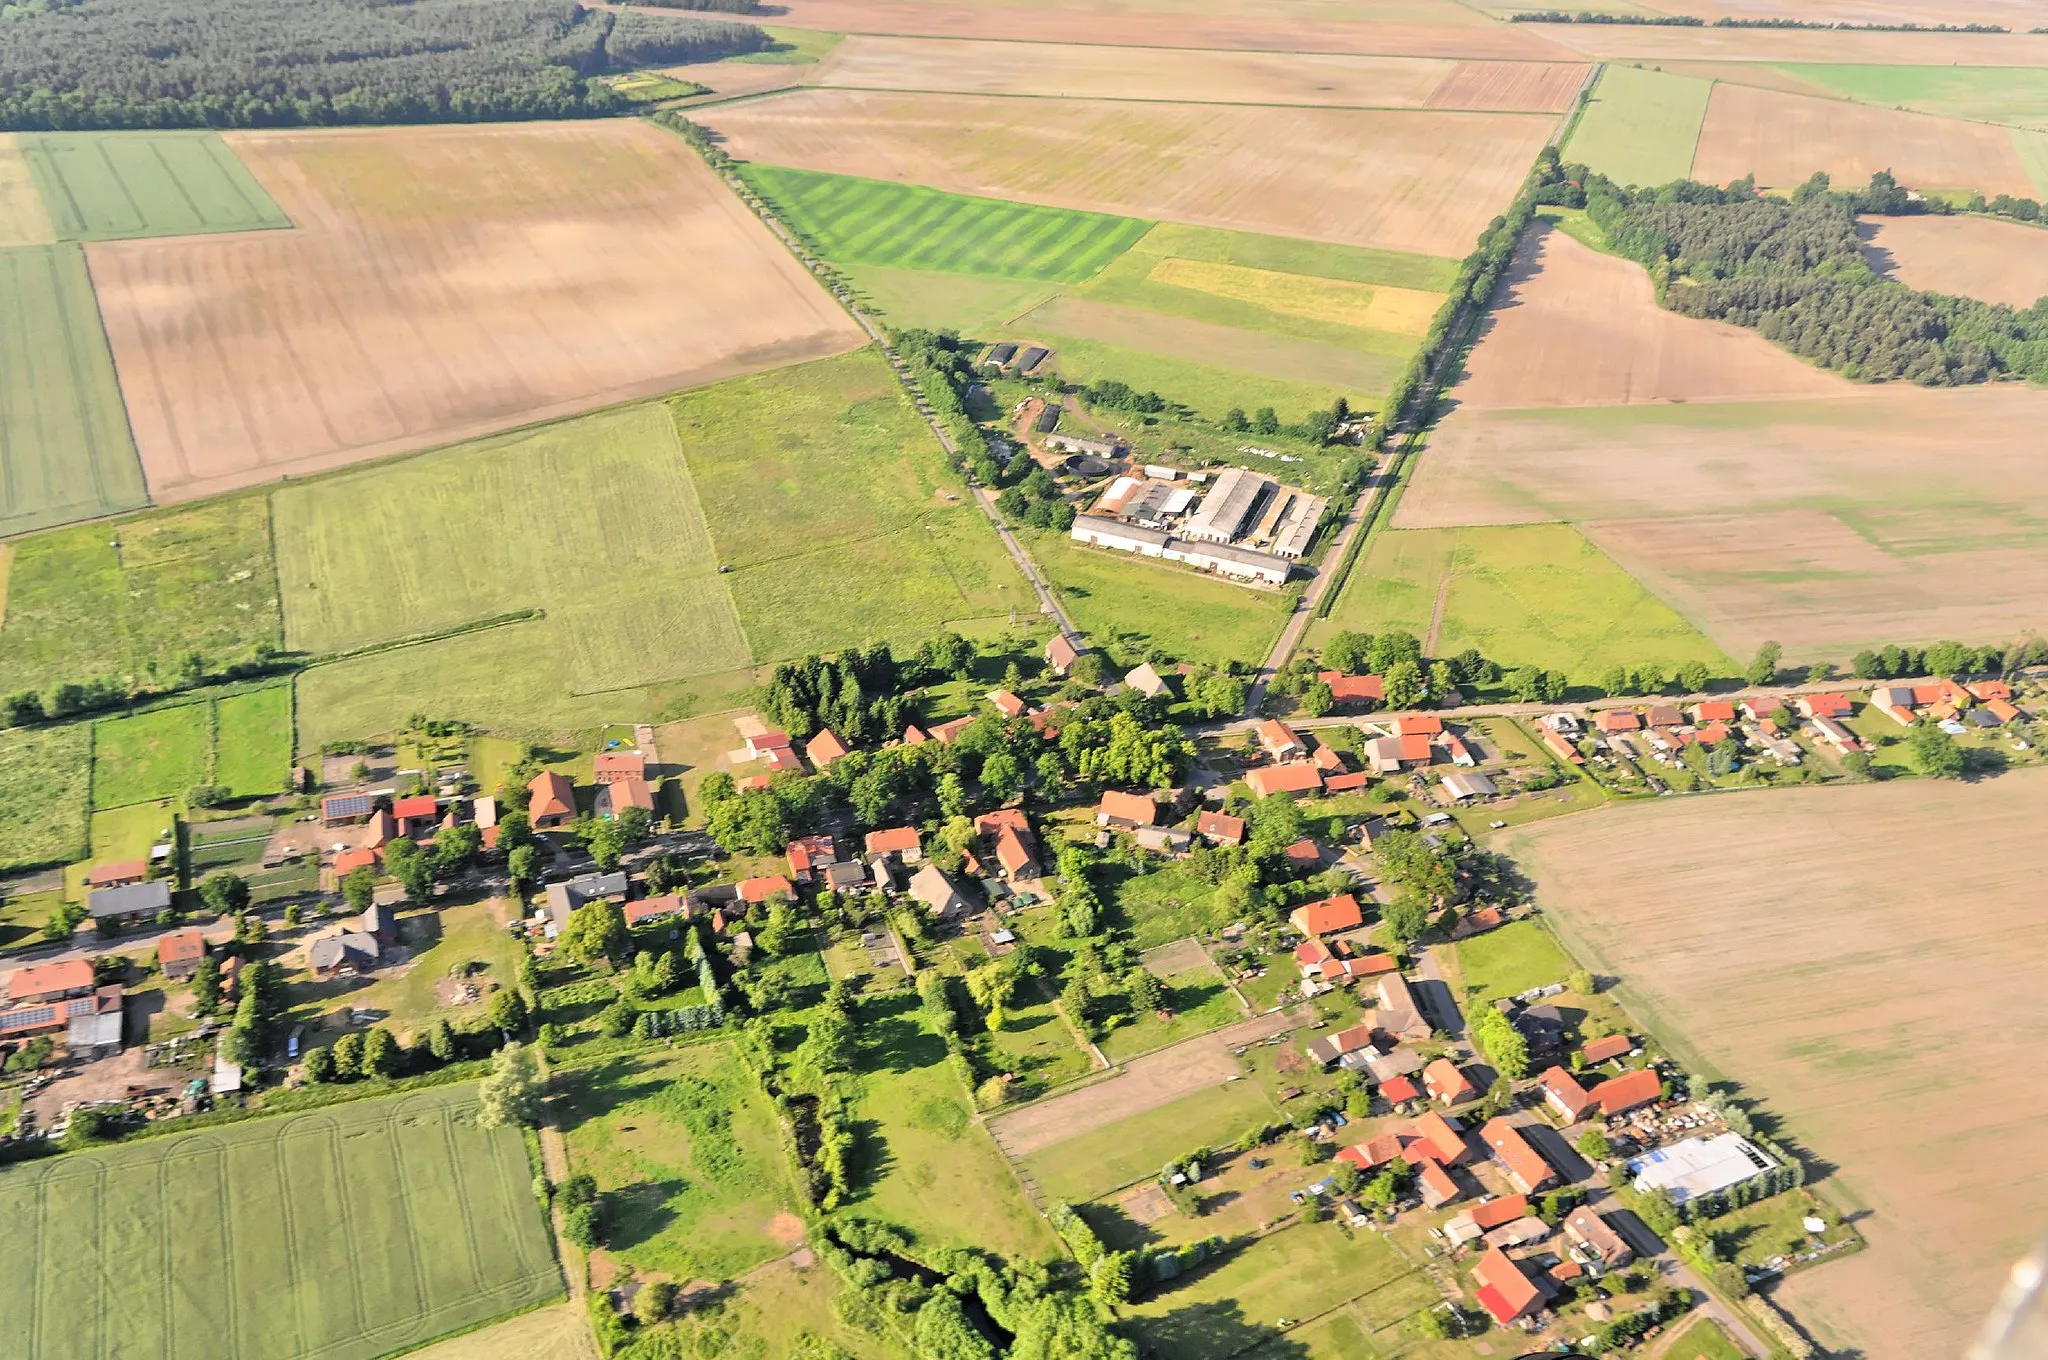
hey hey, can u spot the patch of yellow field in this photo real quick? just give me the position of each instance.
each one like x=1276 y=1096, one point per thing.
x=1374 y=307
x=558 y=1332
x=23 y=219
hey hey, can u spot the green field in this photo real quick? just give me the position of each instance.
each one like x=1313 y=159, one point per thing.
x=1641 y=127
x=152 y=755
x=1128 y=605
x=252 y=743
x=111 y=186
x=345 y=1233
x=1198 y=998
x=1704 y=1340
x=685 y=1148
x=1512 y=959
x=868 y=221
x=790 y=47
x=1986 y=94
x=1093 y=1164
x=132 y=600
x=65 y=450
x=45 y=794
x=1525 y=595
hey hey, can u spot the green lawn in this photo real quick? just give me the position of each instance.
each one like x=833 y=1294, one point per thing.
x=346 y=1233
x=1704 y=1340
x=466 y=935
x=133 y=599
x=684 y=1146
x=1512 y=959
x=252 y=741
x=790 y=47
x=22 y=916
x=65 y=450
x=1094 y=1163
x=1769 y=1228
x=110 y=186
x=120 y=833
x=159 y=754
x=1200 y=1001
x=45 y=794
x=1641 y=127
x=1167 y=903
x=1985 y=94
x=867 y=221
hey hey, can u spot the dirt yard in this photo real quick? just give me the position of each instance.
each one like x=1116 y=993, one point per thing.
x=1869 y=964
x=1783 y=138
x=1968 y=256
x=442 y=283
x=1414 y=180
x=1575 y=327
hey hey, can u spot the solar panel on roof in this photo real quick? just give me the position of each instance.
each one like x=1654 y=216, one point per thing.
x=348 y=804
x=34 y=1015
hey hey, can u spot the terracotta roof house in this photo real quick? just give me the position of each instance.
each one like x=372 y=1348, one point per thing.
x=347 y=862
x=1332 y=1047
x=1311 y=953
x=751 y=783
x=1447 y=1083
x=762 y=743
x=1357 y=968
x=1612 y=1046
x=914 y=735
x=752 y=890
x=649 y=909
x=1504 y=1209
x=1060 y=654
x=1438 y=1139
x=1354 y=689
x=1591 y=1232
x=809 y=853
x=117 y=873
x=900 y=841
x=1512 y=1149
x=1374 y=1152
x=823 y=749
x=1388 y=755
x=1220 y=828
x=937 y=892
x=2000 y=709
x=1713 y=734
x=1304 y=854
x=626 y=791
x=1126 y=809
x=1560 y=746
x=1297 y=776
x=946 y=733
x=1331 y=914
x=45 y=982
x=1327 y=759
x=1278 y=741
x=1562 y=1092
x=1617 y=720
x=1713 y=711
x=1341 y=783
x=1016 y=855
x=1436 y=1185
x=551 y=801
x=1503 y=1290
x=1146 y=681
x=1987 y=690
x=612 y=765
x=1418 y=725
x=1398 y=1091
x=1626 y=1092
x=1455 y=747
x=1823 y=705
x=1008 y=704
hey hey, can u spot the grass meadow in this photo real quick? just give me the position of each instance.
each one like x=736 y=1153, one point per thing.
x=130 y=600
x=252 y=741
x=65 y=450
x=345 y=1233
x=1641 y=127
x=1108 y=1158
x=1511 y=959
x=1985 y=94
x=1199 y=1000
x=45 y=794
x=146 y=756
x=112 y=186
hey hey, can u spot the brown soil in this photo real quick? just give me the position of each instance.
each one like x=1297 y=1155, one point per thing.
x=1658 y=45
x=1967 y=256
x=1510 y=86
x=442 y=283
x=786 y=1229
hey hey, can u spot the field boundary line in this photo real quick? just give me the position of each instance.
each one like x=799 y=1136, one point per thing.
x=1153 y=99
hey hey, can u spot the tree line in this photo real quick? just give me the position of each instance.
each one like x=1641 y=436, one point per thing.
x=266 y=63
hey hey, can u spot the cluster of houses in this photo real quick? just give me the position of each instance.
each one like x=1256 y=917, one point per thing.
x=62 y=998
x=1955 y=707
x=1234 y=522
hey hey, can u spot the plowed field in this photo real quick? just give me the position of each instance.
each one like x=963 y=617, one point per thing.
x=1420 y=181
x=442 y=283
x=1508 y=86
x=1968 y=256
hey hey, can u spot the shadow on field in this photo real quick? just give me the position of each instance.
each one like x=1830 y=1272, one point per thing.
x=894 y=1039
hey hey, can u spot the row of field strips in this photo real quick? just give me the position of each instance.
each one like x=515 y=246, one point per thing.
x=111 y=186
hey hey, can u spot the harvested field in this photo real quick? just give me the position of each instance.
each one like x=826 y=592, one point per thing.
x=1414 y=180
x=732 y=79
x=1783 y=138
x=1510 y=86
x=1661 y=46
x=1641 y=127
x=23 y=219
x=444 y=282
x=1782 y=968
x=1403 y=311
x=1975 y=257
x=560 y=1332
x=1576 y=327
x=113 y=186
x=2017 y=15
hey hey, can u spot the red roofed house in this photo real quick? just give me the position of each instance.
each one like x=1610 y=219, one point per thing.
x=1418 y=725
x=1503 y=1290
x=1564 y=1094
x=551 y=801
x=118 y=874
x=753 y=890
x=1354 y=689
x=807 y=854
x=1374 y=1152
x=1357 y=968
x=1061 y=654
x=1220 y=828
x=1592 y=1233
x=1303 y=854
x=1398 y=1091
x=2001 y=710
x=1987 y=690
x=1332 y=1047
x=946 y=733
x=913 y=735
x=613 y=765
x=655 y=909
x=1438 y=1140
x=1560 y=747
x=1278 y=741
x=1328 y=760
x=1617 y=720
x=1600 y=1050
x=823 y=749
x=1447 y=1084
x=1506 y=1209
x=628 y=791
x=1436 y=1185
x=900 y=841
x=761 y=744
x=1713 y=734
x=1297 y=776
x=1388 y=755
x=1512 y=1149
x=1342 y=783
x=1330 y=914
x=178 y=953
x=1008 y=704
x=1121 y=809
x=1624 y=1093
x=1713 y=711
x=49 y=982
x=1015 y=848
x=348 y=861
x=1825 y=705
x=415 y=817
x=751 y=783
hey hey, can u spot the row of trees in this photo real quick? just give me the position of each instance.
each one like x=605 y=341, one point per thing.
x=192 y=671
x=1642 y=20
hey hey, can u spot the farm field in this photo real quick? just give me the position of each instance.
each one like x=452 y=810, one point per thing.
x=1662 y=46
x=1640 y=127
x=1576 y=327
x=2014 y=95
x=45 y=794
x=114 y=186
x=1783 y=138
x=23 y=219
x=65 y=450
x=442 y=283
x=558 y=1332
x=146 y=756
x=1535 y=595
x=1977 y=257
x=342 y=1233
x=1781 y=968
x=1415 y=180
x=252 y=743
x=132 y=600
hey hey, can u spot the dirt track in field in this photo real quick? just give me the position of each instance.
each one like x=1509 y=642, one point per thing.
x=1867 y=961
x=1967 y=256
x=1421 y=180
x=443 y=283
x=1574 y=327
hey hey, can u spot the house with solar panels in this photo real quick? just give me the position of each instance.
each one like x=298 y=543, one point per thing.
x=347 y=809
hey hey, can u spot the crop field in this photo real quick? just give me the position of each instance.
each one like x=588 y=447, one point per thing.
x=23 y=219
x=45 y=794
x=65 y=450
x=132 y=600
x=345 y=1234
x=1529 y=595
x=1782 y=968
x=1403 y=311
x=2015 y=95
x=1576 y=327
x=559 y=1332
x=1128 y=604
x=865 y=221
x=1783 y=138
x=1510 y=86
x=1824 y=526
x=1421 y=181
x=1977 y=257
x=444 y=283
x=1663 y=46
x=1641 y=126
x=113 y=186
x=147 y=756
x=252 y=743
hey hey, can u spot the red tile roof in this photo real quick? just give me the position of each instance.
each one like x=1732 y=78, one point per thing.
x=1625 y=1092
x=1504 y=1290
x=2001 y=710
x=1437 y=1185
x=1418 y=724
x=1332 y=913
x=348 y=861
x=1564 y=1090
x=1311 y=952
x=1327 y=759
x=1990 y=689
x=1495 y=1212
x=611 y=765
x=1613 y=1046
x=1012 y=851
x=180 y=946
x=1221 y=828
x=894 y=840
x=1352 y=689
x=654 y=908
x=1398 y=1090
x=1373 y=1152
x=1438 y=1141
x=1713 y=710
x=824 y=748
x=1826 y=705
x=1617 y=720
x=1007 y=704
x=946 y=733
x=1446 y=1083
x=1712 y=734
x=551 y=795
x=48 y=979
x=1303 y=854
x=1296 y=776
x=630 y=790
x=1416 y=746
x=1277 y=736
x=1512 y=1149
x=913 y=735
x=419 y=805
x=761 y=889
x=120 y=871
x=1135 y=808
x=1341 y=783
x=1564 y=750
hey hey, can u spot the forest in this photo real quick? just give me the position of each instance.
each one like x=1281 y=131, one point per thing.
x=273 y=63
x=1793 y=270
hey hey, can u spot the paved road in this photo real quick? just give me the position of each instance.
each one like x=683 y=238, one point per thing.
x=1318 y=586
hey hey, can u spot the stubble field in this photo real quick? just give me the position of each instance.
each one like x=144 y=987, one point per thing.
x=441 y=283
x=1663 y=45
x=1413 y=180
x=1975 y=257
x=1862 y=966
